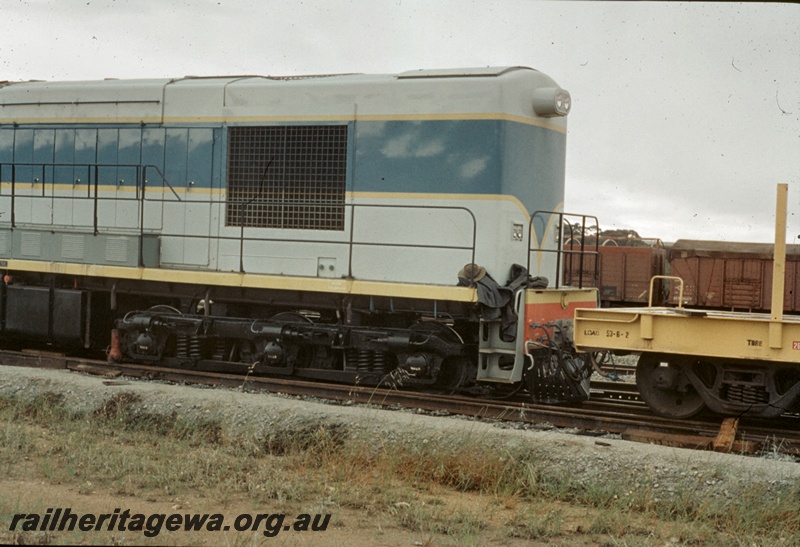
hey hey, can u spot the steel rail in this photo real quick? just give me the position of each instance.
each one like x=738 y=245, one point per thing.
x=604 y=415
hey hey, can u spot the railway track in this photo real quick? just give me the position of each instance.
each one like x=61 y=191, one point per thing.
x=614 y=407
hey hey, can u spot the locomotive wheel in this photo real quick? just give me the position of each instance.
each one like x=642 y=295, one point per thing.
x=422 y=329
x=664 y=387
x=455 y=372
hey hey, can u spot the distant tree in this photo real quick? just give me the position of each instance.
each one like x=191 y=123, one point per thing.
x=621 y=234
x=621 y=237
x=573 y=233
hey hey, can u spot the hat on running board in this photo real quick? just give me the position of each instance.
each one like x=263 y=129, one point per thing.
x=472 y=272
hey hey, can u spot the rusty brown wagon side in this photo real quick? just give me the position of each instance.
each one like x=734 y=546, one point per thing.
x=732 y=275
x=626 y=266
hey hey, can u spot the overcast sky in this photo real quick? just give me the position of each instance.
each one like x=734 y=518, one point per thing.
x=684 y=116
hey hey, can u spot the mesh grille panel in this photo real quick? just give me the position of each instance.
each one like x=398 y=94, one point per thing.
x=287 y=177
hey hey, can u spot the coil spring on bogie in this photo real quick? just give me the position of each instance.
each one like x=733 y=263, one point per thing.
x=182 y=346
x=364 y=360
x=379 y=361
x=188 y=347
x=746 y=394
x=195 y=350
x=219 y=350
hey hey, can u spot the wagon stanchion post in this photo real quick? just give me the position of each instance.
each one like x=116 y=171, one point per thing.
x=778 y=269
x=583 y=246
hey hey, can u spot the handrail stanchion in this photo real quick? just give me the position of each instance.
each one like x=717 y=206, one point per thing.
x=350 y=245
x=13 y=195
x=140 y=180
x=96 y=196
x=672 y=278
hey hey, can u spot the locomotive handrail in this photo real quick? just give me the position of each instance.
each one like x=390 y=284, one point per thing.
x=163 y=178
x=351 y=242
x=49 y=176
x=243 y=205
x=141 y=208
x=92 y=181
x=422 y=207
x=560 y=250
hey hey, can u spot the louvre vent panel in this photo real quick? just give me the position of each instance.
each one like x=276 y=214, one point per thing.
x=287 y=177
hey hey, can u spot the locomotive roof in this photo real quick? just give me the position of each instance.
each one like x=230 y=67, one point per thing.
x=421 y=94
x=687 y=248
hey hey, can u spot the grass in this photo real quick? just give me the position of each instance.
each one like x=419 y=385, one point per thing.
x=317 y=466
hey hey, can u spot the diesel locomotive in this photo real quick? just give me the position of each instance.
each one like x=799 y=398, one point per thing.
x=373 y=229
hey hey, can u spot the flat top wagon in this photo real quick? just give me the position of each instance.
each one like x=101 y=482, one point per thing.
x=733 y=363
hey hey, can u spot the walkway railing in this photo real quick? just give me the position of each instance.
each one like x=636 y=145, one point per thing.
x=46 y=176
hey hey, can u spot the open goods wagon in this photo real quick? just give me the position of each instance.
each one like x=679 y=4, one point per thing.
x=731 y=275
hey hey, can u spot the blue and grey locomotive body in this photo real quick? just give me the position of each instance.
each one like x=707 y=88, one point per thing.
x=315 y=223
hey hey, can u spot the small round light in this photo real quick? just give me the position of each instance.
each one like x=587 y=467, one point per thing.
x=563 y=102
x=551 y=101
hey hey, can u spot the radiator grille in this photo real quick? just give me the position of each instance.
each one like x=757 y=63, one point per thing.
x=287 y=177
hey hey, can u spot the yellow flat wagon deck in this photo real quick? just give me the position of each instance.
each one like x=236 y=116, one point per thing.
x=734 y=363
x=727 y=335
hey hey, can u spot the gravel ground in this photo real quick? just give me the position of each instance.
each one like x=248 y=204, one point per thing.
x=668 y=471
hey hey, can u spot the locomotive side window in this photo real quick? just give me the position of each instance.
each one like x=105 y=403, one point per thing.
x=287 y=177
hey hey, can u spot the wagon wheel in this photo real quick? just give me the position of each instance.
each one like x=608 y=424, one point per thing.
x=665 y=388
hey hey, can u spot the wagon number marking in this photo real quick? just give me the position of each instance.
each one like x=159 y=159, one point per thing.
x=617 y=334
x=796 y=345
